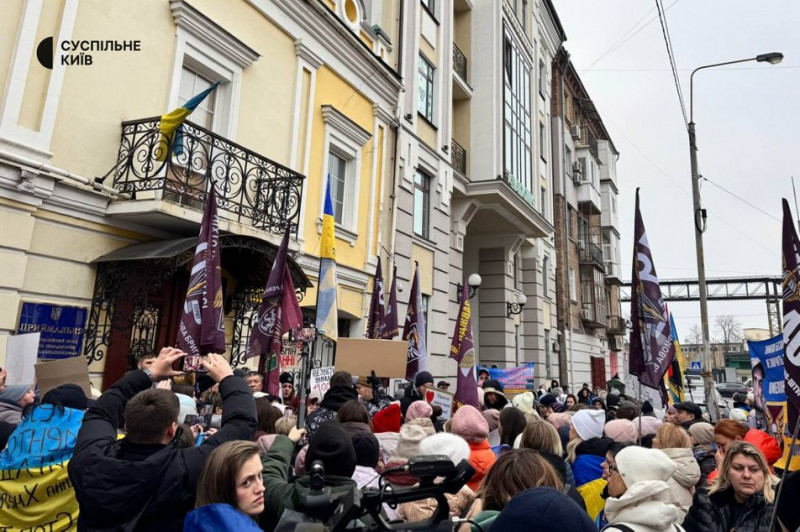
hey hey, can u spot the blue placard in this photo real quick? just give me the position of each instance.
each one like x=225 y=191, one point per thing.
x=61 y=328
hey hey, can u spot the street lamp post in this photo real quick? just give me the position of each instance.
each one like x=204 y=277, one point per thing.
x=699 y=218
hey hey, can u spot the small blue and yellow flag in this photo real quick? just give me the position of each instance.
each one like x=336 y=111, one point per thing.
x=327 y=312
x=171 y=122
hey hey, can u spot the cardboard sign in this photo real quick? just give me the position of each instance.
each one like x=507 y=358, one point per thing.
x=73 y=370
x=444 y=399
x=21 y=353
x=321 y=379
x=360 y=356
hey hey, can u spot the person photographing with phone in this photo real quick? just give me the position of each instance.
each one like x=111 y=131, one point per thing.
x=146 y=481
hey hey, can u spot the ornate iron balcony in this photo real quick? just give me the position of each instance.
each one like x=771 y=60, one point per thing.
x=459 y=62
x=250 y=188
x=458 y=157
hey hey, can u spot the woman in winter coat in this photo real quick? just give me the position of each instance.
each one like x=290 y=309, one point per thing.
x=674 y=442
x=230 y=490
x=13 y=400
x=469 y=424
x=586 y=452
x=728 y=431
x=741 y=497
x=704 y=449
x=510 y=425
x=639 y=497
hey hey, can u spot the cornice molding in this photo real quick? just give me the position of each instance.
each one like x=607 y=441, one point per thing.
x=303 y=51
x=332 y=117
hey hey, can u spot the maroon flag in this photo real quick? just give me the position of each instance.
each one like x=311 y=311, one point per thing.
x=414 y=331
x=651 y=347
x=201 y=330
x=391 y=328
x=791 y=316
x=376 y=321
x=279 y=313
x=462 y=350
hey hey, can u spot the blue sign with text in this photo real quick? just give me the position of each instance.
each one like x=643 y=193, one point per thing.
x=61 y=328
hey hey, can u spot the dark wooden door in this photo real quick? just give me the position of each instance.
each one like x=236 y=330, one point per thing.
x=598 y=372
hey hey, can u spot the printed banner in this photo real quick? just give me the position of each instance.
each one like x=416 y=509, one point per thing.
x=515 y=380
x=36 y=491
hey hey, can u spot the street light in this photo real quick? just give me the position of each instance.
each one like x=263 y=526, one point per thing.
x=515 y=307
x=473 y=283
x=699 y=215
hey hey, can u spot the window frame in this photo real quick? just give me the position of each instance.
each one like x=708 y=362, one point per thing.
x=517 y=109
x=425 y=190
x=545 y=276
x=542 y=141
x=542 y=78
x=429 y=79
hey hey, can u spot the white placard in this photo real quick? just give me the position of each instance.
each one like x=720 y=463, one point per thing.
x=444 y=399
x=321 y=379
x=21 y=351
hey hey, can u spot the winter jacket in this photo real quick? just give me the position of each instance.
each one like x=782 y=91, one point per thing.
x=644 y=507
x=388 y=443
x=218 y=518
x=482 y=459
x=565 y=472
x=117 y=481
x=409 y=397
x=279 y=493
x=423 y=509
x=683 y=480
x=10 y=413
x=704 y=455
x=712 y=513
x=588 y=471
x=334 y=398
x=378 y=402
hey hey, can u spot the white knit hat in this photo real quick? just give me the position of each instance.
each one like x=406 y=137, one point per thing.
x=589 y=423
x=524 y=402
x=637 y=464
x=450 y=445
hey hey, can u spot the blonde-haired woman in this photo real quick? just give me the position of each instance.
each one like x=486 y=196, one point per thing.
x=230 y=490
x=677 y=444
x=741 y=497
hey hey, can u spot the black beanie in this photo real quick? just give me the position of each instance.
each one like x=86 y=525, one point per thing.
x=204 y=382
x=422 y=378
x=286 y=378
x=366 y=448
x=333 y=447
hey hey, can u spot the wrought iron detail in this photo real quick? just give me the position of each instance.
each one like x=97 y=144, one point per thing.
x=459 y=63
x=146 y=322
x=458 y=157
x=250 y=188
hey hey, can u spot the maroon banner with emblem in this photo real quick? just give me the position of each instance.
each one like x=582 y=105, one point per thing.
x=414 y=331
x=462 y=350
x=376 y=321
x=791 y=316
x=391 y=329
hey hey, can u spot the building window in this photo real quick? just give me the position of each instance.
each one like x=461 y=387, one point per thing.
x=426 y=303
x=613 y=204
x=542 y=142
x=525 y=16
x=542 y=79
x=517 y=272
x=430 y=5
x=545 y=275
x=544 y=202
x=516 y=116
x=191 y=85
x=422 y=202
x=425 y=89
x=337 y=169
x=573 y=294
x=569 y=222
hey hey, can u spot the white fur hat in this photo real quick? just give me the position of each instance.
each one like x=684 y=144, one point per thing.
x=450 y=445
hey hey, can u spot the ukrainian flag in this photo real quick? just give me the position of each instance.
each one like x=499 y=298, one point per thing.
x=327 y=312
x=171 y=122
x=674 y=376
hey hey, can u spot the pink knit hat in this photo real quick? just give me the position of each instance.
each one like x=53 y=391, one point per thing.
x=649 y=425
x=492 y=417
x=559 y=419
x=418 y=409
x=622 y=431
x=470 y=424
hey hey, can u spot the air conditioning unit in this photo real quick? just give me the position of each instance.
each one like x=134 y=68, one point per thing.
x=575 y=131
x=577 y=167
x=586 y=314
x=581 y=245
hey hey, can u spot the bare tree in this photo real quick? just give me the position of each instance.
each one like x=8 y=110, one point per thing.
x=694 y=336
x=728 y=330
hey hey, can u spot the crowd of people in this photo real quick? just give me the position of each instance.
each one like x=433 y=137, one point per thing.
x=149 y=455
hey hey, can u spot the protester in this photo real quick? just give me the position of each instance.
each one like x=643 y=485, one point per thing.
x=511 y=424
x=332 y=447
x=230 y=490
x=704 y=449
x=513 y=473
x=386 y=427
x=493 y=395
x=639 y=497
x=419 y=409
x=542 y=509
x=422 y=380
x=340 y=392
x=267 y=415
x=788 y=515
x=671 y=415
x=584 y=394
x=676 y=444
x=549 y=404
x=740 y=499
x=145 y=360
x=367 y=450
x=255 y=381
x=375 y=399
x=483 y=375
x=145 y=481
x=586 y=452
x=492 y=417
x=13 y=400
x=289 y=395
x=622 y=431
x=728 y=431
x=469 y=424
x=443 y=385
x=687 y=414
x=615 y=384
x=524 y=402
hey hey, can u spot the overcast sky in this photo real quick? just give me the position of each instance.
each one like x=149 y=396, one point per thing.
x=747 y=130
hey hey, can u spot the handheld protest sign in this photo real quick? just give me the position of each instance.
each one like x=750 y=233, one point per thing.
x=21 y=353
x=73 y=370
x=321 y=379
x=435 y=396
x=359 y=356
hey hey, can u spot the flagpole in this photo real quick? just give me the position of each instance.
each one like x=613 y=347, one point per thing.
x=795 y=204
x=783 y=476
x=306 y=365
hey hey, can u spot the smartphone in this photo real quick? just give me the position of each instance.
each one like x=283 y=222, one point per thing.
x=193 y=363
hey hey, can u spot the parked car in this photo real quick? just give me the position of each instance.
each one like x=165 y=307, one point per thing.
x=727 y=389
x=695 y=392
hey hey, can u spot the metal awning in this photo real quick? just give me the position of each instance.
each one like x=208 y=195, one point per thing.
x=179 y=251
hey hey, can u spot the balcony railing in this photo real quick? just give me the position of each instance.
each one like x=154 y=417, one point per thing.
x=591 y=254
x=458 y=157
x=250 y=188
x=616 y=325
x=459 y=62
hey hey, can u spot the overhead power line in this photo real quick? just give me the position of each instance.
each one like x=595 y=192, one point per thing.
x=665 y=31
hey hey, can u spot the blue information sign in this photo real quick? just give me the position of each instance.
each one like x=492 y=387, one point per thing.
x=61 y=328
